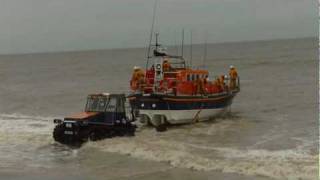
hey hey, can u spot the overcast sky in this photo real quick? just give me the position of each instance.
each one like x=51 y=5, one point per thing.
x=66 y=25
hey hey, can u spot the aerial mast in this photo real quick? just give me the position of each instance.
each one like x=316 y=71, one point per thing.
x=175 y=43
x=191 y=49
x=157 y=44
x=205 y=51
x=151 y=32
x=182 y=43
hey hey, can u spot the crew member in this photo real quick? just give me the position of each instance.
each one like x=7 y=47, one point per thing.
x=166 y=66
x=222 y=83
x=202 y=86
x=137 y=79
x=233 y=77
x=206 y=80
x=133 y=82
x=216 y=83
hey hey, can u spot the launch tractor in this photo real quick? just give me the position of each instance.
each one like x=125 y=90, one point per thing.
x=106 y=115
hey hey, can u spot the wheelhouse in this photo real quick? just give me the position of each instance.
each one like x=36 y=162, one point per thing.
x=169 y=74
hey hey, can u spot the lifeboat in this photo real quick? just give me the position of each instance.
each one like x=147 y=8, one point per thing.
x=168 y=91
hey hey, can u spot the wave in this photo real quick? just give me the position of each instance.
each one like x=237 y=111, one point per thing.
x=149 y=145
x=26 y=142
x=17 y=116
x=19 y=129
x=180 y=147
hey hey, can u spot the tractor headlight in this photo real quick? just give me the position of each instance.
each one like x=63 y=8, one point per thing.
x=124 y=121
x=68 y=125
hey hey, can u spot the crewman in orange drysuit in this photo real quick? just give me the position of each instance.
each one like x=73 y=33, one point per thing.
x=137 y=79
x=222 y=83
x=233 y=77
x=166 y=66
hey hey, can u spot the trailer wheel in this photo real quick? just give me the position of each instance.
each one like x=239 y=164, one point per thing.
x=161 y=128
x=145 y=120
x=159 y=122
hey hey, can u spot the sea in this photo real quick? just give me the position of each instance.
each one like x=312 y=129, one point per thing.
x=271 y=132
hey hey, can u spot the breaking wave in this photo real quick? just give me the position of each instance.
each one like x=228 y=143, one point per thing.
x=22 y=139
x=18 y=124
x=21 y=136
x=150 y=145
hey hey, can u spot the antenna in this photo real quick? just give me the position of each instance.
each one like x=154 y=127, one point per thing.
x=157 y=44
x=182 y=42
x=151 y=32
x=205 y=51
x=175 y=43
x=191 y=48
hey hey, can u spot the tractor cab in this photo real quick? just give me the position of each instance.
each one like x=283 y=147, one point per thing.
x=105 y=115
x=113 y=108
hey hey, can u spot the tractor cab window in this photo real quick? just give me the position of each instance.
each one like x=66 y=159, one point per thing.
x=96 y=104
x=112 y=105
x=128 y=108
x=92 y=104
x=102 y=104
x=121 y=106
x=105 y=104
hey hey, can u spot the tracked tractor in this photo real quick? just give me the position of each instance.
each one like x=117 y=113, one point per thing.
x=105 y=115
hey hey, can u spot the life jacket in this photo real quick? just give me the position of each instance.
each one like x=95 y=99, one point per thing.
x=233 y=74
x=137 y=79
x=133 y=85
x=221 y=81
x=163 y=85
x=166 y=66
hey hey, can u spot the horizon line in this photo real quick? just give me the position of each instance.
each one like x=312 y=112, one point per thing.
x=110 y=49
